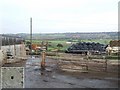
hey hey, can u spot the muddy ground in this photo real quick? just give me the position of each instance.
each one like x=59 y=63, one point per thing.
x=53 y=77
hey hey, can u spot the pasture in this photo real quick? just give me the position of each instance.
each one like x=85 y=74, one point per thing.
x=52 y=44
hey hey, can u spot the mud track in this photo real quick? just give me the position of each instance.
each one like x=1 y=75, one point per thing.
x=53 y=77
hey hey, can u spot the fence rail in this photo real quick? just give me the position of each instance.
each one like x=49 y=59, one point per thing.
x=102 y=65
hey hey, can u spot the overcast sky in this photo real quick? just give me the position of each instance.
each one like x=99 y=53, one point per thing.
x=58 y=16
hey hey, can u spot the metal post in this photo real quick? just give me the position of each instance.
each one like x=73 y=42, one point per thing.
x=0 y=41
x=31 y=35
x=4 y=41
x=23 y=49
x=47 y=45
x=88 y=53
x=21 y=52
x=42 y=44
x=9 y=42
x=14 y=41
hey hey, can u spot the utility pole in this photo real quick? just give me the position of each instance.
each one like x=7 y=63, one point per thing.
x=0 y=41
x=31 y=35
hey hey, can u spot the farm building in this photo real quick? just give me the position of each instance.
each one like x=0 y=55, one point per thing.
x=113 y=47
x=115 y=43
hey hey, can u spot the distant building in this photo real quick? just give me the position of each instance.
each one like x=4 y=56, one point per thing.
x=114 y=47
x=68 y=42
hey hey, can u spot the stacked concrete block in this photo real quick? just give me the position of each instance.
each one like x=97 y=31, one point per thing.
x=17 y=51
x=12 y=77
x=12 y=48
x=3 y=59
x=23 y=50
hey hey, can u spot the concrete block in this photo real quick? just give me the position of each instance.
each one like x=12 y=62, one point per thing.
x=17 y=51
x=2 y=58
x=12 y=77
x=0 y=79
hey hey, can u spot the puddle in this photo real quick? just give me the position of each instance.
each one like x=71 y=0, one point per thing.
x=110 y=78
x=37 y=69
x=45 y=80
x=52 y=77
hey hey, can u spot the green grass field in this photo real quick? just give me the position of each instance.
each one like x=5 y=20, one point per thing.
x=52 y=44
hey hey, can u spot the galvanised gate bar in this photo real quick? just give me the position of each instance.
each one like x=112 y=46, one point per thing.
x=11 y=40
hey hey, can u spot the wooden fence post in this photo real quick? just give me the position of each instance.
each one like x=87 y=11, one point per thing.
x=43 y=60
x=105 y=64
x=88 y=55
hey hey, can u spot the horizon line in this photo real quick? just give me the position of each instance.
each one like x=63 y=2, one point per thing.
x=57 y=32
